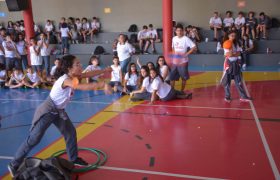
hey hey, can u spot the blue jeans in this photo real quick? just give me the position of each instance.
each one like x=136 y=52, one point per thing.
x=3 y=60
x=24 y=61
x=65 y=127
x=46 y=64
x=64 y=43
x=124 y=64
x=238 y=85
x=10 y=63
x=37 y=68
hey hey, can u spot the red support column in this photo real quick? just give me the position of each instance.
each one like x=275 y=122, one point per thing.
x=28 y=23
x=167 y=16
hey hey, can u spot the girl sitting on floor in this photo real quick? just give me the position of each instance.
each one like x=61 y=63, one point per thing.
x=32 y=79
x=130 y=79
x=17 y=79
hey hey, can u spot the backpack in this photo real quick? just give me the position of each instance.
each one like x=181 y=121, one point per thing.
x=133 y=38
x=133 y=28
x=53 y=168
x=99 y=50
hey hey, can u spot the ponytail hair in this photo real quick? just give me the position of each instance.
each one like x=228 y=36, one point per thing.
x=66 y=63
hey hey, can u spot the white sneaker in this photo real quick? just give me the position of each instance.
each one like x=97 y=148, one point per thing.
x=244 y=67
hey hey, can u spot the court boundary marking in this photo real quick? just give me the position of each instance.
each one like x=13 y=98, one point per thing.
x=132 y=104
x=142 y=171
x=262 y=135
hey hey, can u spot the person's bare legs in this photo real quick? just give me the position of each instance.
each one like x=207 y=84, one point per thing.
x=146 y=46
x=242 y=31
x=215 y=33
x=184 y=83
x=153 y=45
x=16 y=86
x=172 y=84
x=253 y=33
x=141 y=45
x=264 y=31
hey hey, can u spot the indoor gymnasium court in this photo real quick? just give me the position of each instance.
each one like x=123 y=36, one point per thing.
x=208 y=136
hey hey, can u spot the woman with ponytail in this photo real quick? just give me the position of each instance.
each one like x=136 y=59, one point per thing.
x=52 y=111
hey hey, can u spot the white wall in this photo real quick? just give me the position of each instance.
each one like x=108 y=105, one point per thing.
x=126 y=12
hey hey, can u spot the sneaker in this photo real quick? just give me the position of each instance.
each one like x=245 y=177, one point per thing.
x=244 y=67
x=245 y=99
x=227 y=99
x=189 y=96
x=12 y=170
x=154 y=52
x=146 y=52
x=80 y=162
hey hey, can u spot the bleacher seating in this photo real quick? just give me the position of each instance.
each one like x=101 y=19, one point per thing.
x=205 y=57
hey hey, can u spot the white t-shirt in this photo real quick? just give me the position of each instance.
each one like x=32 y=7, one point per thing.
x=33 y=77
x=115 y=74
x=48 y=27
x=152 y=33
x=163 y=69
x=93 y=68
x=124 y=50
x=228 y=22
x=181 y=45
x=2 y=75
x=215 y=21
x=95 y=25
x=234 y=50
x=143 y=34
x=53 y=70
x=64 y=32
x=21 y=47
x=35 y=59
x=146 y=84
x=239 y=21
x=85 y=26
x=132 y=80
x=8 y=53
x=17 y=77
x=162 y=88
x=79 y=26
x=44 y=51
x=61 y=96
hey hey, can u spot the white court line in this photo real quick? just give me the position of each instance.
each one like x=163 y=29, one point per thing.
x=143 y=171
x=145 y=105
x=185 y=176
x=5 y=102
x=263 y=138
x=6 y=157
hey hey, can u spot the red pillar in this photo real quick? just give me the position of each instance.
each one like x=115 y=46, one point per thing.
x=28 y=23
x=167 y=16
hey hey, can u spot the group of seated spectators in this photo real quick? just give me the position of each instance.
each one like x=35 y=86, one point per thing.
x=251 y=26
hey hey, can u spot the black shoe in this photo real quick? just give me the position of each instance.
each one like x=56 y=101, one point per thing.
x=80 y=162
x=227 y=99
x=12 y=170
x=189 y=96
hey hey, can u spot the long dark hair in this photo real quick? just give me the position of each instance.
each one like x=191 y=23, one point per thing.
x=157 y=75
x=235 y=41
x=66 y=63
x=141 y=77
x=245 y=43
x=158 y=66
x=92 y=58
x=129 y=69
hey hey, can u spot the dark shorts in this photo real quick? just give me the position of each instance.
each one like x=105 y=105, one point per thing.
x=178 y=71
x=226 y=29
x=2 y=60
x=10 y=63
x=217 y=29
x=114 y=83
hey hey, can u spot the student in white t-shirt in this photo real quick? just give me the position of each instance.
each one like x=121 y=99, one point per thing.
x=3 y=75
x=22 y=50
x=179 y=67
x=10 y=53
x=93 y=66
x=143 y=38
x=162 y=90
x=95 y=28
x=116 y=75
x=2 y=50
x=144 y=93
x=16 y=79
x=163 y=69
x=32 y=79
x=64 y=37
x=49 y=28
x=35 y=58
x=130 y=79
x=45 y=53
x=215 y=24
x=228 y=22
x=125 y=51
x=78 y=24
x=85 y=29
x=240 y=23
x=153 y=37
x=53 y=69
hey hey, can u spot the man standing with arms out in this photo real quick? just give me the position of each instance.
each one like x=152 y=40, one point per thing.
x=179 y=66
